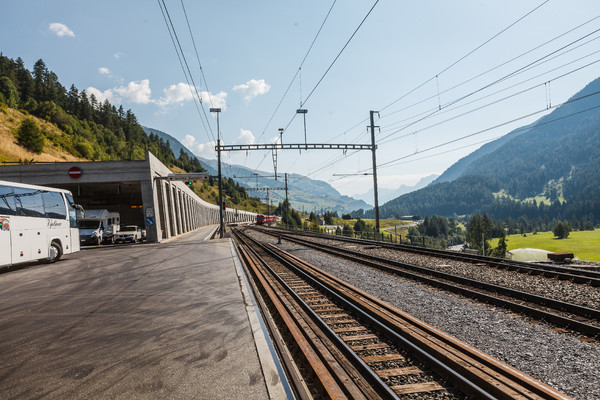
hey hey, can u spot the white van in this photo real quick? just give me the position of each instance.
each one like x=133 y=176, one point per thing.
x=99 y=226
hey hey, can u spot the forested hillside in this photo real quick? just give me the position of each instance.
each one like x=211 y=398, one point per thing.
x=549 y=169
x=561 y=145
x=87 y=128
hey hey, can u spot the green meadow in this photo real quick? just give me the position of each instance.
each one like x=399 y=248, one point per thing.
x=585 y=245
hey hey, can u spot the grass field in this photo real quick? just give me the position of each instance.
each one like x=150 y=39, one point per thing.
x=584 y=244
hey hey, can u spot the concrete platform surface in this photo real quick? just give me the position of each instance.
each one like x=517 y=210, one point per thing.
x=146 y=321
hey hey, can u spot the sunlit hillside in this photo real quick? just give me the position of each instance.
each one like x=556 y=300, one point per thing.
x=10 y=119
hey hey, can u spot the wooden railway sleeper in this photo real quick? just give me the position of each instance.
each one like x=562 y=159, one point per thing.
x=525 y=392
x=349 y=386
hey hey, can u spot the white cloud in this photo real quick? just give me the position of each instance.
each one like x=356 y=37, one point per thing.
x=100 y=95
x=181 y=92
x=188 y=141
x=104 y=70
x=218 y=100
x=140 y=92
x=177 y=93
x=246 y=137
x=253 y=88
x=61 y=30
x=206 y=150
x=117 y=55
x=134 y=92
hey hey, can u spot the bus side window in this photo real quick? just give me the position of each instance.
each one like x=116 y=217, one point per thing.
x=54 y=205
x=7 y=201
x=29 y=202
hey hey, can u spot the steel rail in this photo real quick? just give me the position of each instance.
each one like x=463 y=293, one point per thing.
x=506 y=372
x=474 y=372
x=296 y=382
x=551 y=271
x=392 y=267
x=378 y=388
x=440 y=367
x=327 y=382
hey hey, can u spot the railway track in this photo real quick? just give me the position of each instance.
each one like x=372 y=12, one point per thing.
x=547 y=270
x=583 y=320
x=336 y=341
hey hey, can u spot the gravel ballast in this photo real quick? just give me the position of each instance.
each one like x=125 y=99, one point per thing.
x=575 y=293
x=560 y=360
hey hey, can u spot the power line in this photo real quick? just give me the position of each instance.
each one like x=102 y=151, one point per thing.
x=503 y=124
x=509 y=87
x=328 y=69
x=334 y=61
x=464 y=57
x=453 y=64
x=181 y=63
x=330 y=164
x=293 y=80
x=493 y=102
x=298 y=70
x=444 y=70
x=197 y=56
x=171 y=26
x=487 y=86
x=504 y=63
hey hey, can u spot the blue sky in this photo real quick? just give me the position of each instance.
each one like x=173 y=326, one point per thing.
x=251 y=51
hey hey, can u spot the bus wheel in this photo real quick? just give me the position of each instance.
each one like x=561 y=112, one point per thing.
x=55 y=252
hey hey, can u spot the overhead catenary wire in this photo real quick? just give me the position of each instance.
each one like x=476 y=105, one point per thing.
x=528 y=66
x=448 y=109
x=403 y=159
x=334 y=61
x=197 y=56
x=436 y=76
x=501 y=90
x=298 y=71
x=477 y=76
x=328 y=69
x=178 y=48
x=544 y=84
x=182 y=67
x=465 y=56
x=548 y=106
x=486 y=86
x=501 y=125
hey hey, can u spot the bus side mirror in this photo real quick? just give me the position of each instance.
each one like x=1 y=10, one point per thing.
x=80 y=212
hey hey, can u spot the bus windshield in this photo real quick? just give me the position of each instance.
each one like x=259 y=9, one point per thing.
x=72 y=210
x=87 y=224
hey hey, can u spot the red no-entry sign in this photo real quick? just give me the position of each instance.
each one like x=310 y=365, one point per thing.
x=75 y=172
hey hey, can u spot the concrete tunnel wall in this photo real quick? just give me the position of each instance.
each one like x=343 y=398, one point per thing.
x=170 y=208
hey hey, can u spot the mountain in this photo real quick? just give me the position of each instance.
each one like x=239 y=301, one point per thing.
x=555 y=159
x=304 y=194
x=458 y=168
x=386 y=195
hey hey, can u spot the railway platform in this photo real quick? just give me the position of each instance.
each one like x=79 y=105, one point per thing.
x=168 y=320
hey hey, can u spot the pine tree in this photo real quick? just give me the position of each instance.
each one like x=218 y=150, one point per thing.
x=561 y=230
x=30 y=136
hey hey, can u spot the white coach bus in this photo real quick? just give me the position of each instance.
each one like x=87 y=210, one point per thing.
x=36 y=223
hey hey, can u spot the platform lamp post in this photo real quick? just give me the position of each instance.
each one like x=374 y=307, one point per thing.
x=221 y=220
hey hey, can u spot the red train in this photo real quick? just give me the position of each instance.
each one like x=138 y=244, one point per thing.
x=266 y=219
